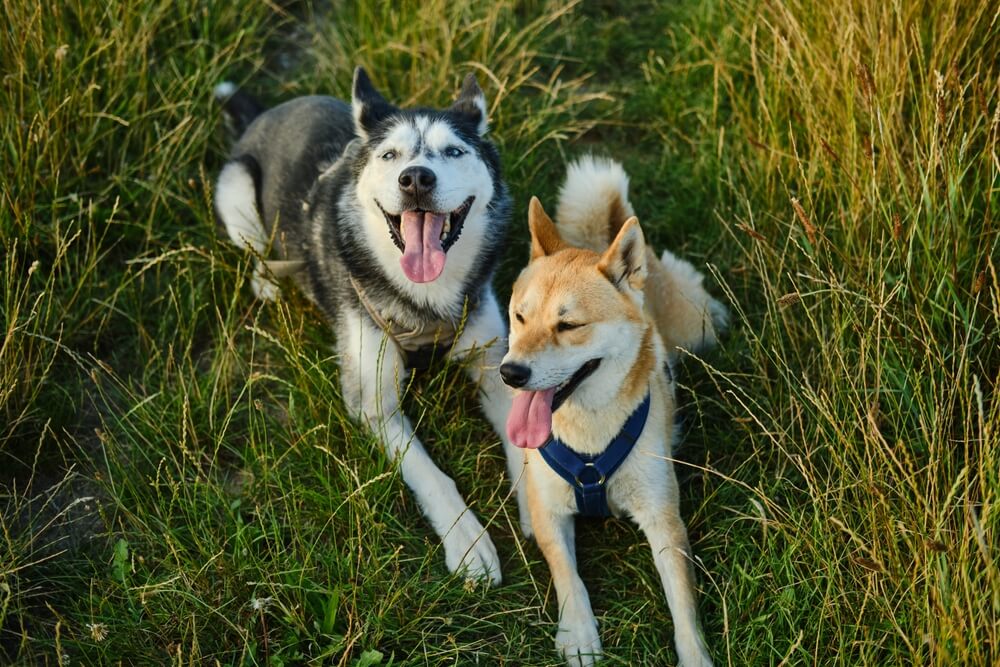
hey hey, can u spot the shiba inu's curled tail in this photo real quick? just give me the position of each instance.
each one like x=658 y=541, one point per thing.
x=240 y=107
x=686 y=314
x=593 y=203
x=593 y=206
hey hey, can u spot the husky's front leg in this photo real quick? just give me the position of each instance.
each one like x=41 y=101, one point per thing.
x=372 y=375
x=485 y=334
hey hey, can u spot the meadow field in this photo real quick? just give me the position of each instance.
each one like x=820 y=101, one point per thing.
x=180 y=483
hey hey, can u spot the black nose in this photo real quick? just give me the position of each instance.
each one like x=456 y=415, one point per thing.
x=515 y=375
x=417 y=181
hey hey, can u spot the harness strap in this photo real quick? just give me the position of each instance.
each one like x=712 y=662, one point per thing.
x=588 y=474
x=428 y=333
x=418 y=345
x=372 y=311
x=283 y=268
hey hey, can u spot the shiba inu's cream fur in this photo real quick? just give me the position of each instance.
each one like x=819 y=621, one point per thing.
x=593 y=290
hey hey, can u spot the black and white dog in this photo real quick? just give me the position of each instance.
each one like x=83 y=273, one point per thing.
x=392 y=222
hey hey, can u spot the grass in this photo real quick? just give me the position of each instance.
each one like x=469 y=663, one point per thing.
x=180 y=484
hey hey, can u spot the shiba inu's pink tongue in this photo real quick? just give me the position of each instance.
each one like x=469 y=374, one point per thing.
x=530 y=421
x=423 y=258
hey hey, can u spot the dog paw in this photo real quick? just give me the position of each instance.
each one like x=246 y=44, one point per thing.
x=526 y=530
x=264 y=288
x=469 y=549
x=524 y=519
x=692 y=652
x=579 y=643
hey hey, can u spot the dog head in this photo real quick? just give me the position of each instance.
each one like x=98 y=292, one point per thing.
x=577 y=325
x=425 y=176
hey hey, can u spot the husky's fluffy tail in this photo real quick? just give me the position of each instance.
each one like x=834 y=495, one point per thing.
x=239 y=106
x=593 y=206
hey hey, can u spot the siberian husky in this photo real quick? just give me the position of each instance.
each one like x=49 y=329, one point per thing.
x=596 y=320
x=391 y=220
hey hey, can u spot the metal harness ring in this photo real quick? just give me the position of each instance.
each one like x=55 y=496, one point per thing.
x=590 y=464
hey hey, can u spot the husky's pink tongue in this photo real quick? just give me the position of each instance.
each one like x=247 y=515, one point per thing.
x=423 y=258
x=530 y=421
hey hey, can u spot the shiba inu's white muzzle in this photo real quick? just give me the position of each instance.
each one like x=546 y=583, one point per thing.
x=530 y=421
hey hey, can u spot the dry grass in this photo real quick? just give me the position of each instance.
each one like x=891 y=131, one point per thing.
x=180 y=483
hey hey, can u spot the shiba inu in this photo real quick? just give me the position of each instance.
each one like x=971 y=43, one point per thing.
x=391 y=220
x=596 y=322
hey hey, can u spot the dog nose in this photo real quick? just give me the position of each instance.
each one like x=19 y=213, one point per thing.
x=417 y=181
x=515 y=375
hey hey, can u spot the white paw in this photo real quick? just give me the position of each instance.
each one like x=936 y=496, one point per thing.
x=523 y=512
x=578 y=642
x=692 y=652
x=719 y=314
x=468 y=548
x=264 y=288
x=525 y=521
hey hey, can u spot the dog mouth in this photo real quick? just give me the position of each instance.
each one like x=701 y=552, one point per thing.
x=529 y=423
x=424 y=237
x=569 y=386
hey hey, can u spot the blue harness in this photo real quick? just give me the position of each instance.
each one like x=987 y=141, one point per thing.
x=587 y=474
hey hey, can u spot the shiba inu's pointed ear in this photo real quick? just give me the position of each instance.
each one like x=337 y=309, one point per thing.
x=624 y=263
x=368 y=105
x=545 y=238
x=471 y=104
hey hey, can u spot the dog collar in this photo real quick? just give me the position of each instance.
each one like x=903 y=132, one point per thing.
x=418 y=345
x=283 y=268
x=588 y=474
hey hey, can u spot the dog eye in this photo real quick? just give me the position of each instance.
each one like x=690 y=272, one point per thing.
x=567 y=326
x=388 y=155
x=453 y=151
x=520 y=318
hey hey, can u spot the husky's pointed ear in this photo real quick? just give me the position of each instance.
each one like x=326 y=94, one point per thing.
x=545 y=238
x=471 y=104
x=368 y=105
x=624 y=263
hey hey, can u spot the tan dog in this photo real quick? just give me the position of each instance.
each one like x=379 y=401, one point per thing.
x=594 y=332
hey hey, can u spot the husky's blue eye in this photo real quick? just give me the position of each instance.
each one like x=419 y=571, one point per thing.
x=453 y=151
x=389 y=155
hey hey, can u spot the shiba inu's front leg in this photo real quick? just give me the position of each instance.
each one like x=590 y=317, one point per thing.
x=485 y=334
x=372 y=373
x=667 y=535
x=577 y=637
